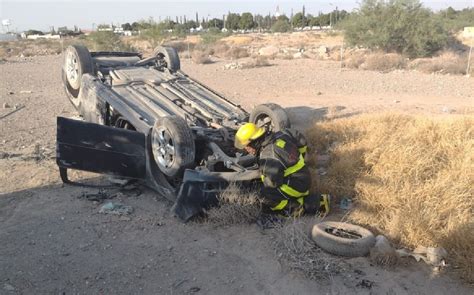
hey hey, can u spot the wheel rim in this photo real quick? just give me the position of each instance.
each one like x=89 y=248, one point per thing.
x=164 y=149
x=161 y=61
x=264 y=121
x=342 y=233
x=72 y=68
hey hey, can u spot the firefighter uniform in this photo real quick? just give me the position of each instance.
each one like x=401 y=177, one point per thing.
x=286 y=179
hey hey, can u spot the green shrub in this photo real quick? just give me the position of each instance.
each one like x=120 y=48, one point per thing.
x=402 y=26
x=281 y=26
x=212 y=36
x=107 y=41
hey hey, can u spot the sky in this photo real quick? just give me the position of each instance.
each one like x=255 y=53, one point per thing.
x=41 y=15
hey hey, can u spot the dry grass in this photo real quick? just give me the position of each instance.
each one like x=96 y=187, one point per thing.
x=377 y=61
x=200 y=57
x=236 y=206
x=384 y=62
x=236 y=53
x=256 y=62
x=446 y=63
x=32 y=47
x=296 y=250
x=411 y=178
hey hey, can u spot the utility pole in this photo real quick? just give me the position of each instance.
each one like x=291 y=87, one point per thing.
x=291 y=19
x=302 y=20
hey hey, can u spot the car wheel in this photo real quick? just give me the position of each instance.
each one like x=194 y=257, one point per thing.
x=77 y=61
x=271 y=116
x=342 y=238
x=173 y=145
x=168 y=57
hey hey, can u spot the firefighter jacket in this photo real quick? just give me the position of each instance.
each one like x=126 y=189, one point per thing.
x=283 y=171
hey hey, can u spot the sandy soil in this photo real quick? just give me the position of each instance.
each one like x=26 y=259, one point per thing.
x=53 y=241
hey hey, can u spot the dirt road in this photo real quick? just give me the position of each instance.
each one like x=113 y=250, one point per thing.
x=53 y=241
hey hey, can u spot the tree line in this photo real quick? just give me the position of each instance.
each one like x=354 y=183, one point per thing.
x=245 y=21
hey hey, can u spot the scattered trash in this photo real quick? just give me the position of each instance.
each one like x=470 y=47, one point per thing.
x=298 y=55
x=383 y=253
x=430 y=255
x=365 y=284
x=346 y=204
x=116 y=209
x=232 y=66
x=447 y=110
x=98 y=197
x=117 y=180
x=194 y=289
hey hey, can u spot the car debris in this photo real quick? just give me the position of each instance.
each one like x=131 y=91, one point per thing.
x=145 y=119
x=16 y=108
x=435 y=256
x=116 y=209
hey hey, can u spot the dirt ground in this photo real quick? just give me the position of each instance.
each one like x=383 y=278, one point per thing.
x=53 y=241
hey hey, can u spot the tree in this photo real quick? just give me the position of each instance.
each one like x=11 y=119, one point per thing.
x=233 y=21
x=246 y=21
x=127 y=27
x=33 y=32
x=190 y=24
x=298 y=21
x=281 y=26
x=216 y=23
x=451 y=13
x=283 y=18
x=402 y=26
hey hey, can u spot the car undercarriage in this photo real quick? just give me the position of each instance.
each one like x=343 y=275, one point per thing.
x=145 y=119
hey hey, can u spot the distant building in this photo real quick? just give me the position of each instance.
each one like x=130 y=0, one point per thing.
x=277 y=12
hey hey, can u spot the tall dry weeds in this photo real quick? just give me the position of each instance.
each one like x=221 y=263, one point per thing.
x=411 y=177
x=236 y=206
x=445 y=63
x=296 y=250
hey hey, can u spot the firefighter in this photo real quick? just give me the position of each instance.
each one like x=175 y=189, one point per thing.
x=285 y=177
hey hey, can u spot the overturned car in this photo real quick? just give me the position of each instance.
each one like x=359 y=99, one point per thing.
x=143 y=118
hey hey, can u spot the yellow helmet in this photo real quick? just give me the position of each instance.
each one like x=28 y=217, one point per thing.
x=247 y=133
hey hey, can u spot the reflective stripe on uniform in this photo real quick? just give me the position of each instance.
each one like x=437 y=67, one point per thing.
x=294 y=168
x=292 y=192
x=303 y=149
x=283 y=204
x=280 y=205
x=280 y=143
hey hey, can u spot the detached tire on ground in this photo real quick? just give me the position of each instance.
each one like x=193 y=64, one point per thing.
x=169 y=56
x=172 y=145
x=77 y=62
x=343 y=239
x=271 y=116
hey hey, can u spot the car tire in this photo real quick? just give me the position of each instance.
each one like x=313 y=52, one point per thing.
x=343 y=239
x=169 y=56
x=271 y=116
x=172 y=145
x=77 y=62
